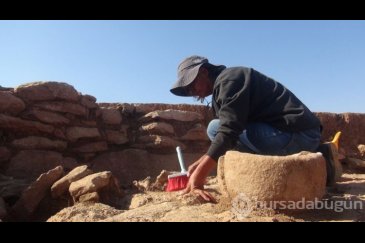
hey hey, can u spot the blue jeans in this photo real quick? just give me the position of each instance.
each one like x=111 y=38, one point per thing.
x=261 y=138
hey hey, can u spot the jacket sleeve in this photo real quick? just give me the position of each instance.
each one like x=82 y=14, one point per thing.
x=233 y=99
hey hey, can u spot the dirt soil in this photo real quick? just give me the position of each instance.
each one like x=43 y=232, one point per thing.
x=151 y=206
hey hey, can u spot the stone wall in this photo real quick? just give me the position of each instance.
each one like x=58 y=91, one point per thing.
x=46 y=124
x=352 y=127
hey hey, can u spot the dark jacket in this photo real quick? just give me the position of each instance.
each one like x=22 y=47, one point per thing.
x=243 y=95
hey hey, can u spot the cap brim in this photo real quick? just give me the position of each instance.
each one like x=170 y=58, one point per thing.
x=179 y=88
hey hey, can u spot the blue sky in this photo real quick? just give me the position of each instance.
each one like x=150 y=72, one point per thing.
x=322 y=62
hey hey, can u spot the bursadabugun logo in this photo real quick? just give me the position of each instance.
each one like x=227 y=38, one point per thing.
x=242 y=206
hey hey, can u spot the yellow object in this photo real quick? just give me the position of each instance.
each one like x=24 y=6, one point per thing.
x=336 y=139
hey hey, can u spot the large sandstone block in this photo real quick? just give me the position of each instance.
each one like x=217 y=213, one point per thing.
x=198 y=132
x=31 y=163
x=111 y=116
x=64 y=107
x=92 y=147
x=160 y=128
x=90 y=183
x=19 y=125
x=126 y=165
x=158 y=142
x=38 y=91
x=75 y=133
x=117 y=137
x=146 y=108
x=273 y=178
x=32 y=196
x=62 y=185
x=34 y=142
x=10 y=104
x=88 y=101
x=47 y=117
x=184 y=116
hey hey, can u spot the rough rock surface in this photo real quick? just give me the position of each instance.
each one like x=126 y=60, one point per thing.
x=61 y=186
x=31 y=163
x=158 y=206
x=33 y=195
x=38 y=91
x=33 y=142
x=350 y=124
x=273 y=178
x=10 y=104
x=85 y=212
x=127 y=165
x=173 y=115
x=90 y=183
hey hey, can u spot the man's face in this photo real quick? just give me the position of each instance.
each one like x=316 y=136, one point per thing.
x=201 y=86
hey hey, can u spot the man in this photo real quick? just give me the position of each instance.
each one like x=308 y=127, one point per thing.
x=255 y=114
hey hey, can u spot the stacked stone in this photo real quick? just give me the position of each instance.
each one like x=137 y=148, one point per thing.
x=80 y=185
x=352 y=127
x=48 y=124
x=163 y=130
x=45 y=124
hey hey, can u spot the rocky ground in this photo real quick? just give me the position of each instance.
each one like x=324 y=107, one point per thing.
x=159 y=206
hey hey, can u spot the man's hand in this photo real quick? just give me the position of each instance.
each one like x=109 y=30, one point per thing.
x=198 y=172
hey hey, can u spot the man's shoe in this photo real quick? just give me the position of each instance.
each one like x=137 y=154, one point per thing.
x=333 y=165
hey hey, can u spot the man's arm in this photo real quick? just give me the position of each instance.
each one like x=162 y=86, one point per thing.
x=197 y=177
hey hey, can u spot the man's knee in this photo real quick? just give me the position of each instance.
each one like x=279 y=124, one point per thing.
x=212 y=128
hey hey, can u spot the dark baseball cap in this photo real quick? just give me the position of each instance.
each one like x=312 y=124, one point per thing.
x=186 y=73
